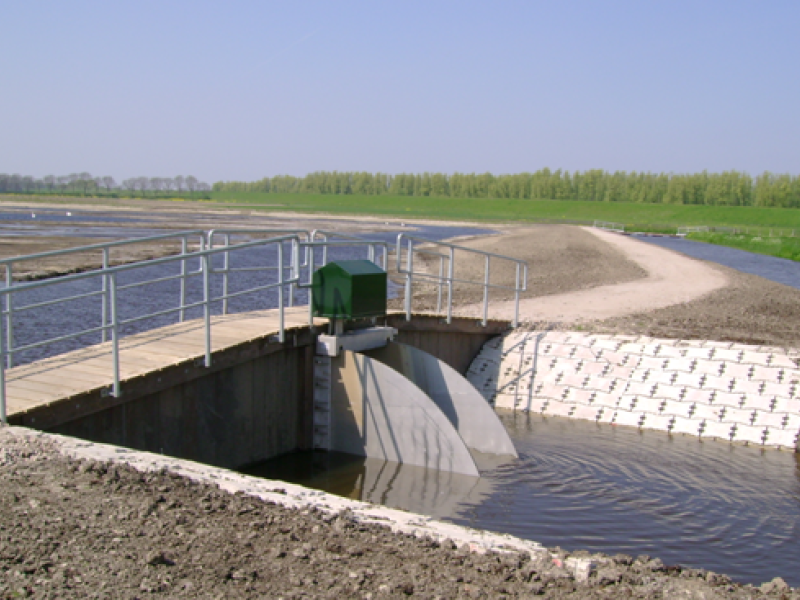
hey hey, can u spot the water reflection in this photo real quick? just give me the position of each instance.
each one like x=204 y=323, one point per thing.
x=581 y=485
x=420 y=490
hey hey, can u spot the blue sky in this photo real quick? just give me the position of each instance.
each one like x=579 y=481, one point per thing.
x=239 y=90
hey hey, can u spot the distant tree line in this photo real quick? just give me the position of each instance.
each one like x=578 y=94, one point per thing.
x=84 y=184
x=731 y=188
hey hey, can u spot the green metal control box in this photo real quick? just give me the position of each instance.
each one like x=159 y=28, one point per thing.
x=349 y=289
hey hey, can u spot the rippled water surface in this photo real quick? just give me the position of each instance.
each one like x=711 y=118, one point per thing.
x=581 y=485
x=781 y=270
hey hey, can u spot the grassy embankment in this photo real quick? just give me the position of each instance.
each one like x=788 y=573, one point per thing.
x=767 y=230
x=771 y=229
x=783 y=247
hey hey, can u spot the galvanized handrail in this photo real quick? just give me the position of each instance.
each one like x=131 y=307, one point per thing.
x=520 y=280
x=300 y=240
x=105 y=247
x=343 y=239
x=609 y=226
x=110 y=291
x=295 y=265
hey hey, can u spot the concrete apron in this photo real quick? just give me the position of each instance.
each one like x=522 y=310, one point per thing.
x=293 y=496
x=718 y=390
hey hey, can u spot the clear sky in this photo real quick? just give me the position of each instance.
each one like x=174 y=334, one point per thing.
x=239 y=89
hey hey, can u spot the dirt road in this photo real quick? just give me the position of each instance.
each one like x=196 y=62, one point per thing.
x=637 y=288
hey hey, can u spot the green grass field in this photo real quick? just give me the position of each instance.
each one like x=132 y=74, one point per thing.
x=783 y=247
x=645 y=216
x=767 y=230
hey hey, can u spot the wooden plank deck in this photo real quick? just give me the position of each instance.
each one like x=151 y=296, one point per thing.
x=54 y=379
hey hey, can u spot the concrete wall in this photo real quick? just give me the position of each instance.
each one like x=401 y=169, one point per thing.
x=228 y=416
x=718 y=390
x=456 y=344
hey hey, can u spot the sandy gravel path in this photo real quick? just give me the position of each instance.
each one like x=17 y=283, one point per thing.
x=671 y=279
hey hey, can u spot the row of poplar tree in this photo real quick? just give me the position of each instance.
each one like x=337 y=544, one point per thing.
x=84 y=183
x=733 y=188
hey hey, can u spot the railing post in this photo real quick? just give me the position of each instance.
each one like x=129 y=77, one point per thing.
x=281 y=335
x=104 y=298
x=294 y=269
x=225 y=265
x=115 y=391
x=3 y=414
x=486 y=294
x=184 y=249
x=409 y=279
x=8 y=359
x=206 y=259
x=516 y=297
x=450 y=275
x=311 y=258
x=439 y=286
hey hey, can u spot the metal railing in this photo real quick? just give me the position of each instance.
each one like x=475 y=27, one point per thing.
x=697 y=229
x=609 y=226
x=109 y=289
x=321 y=238
x=291 y=255
x=445 y=279
x=228 y=236
x=104 y=249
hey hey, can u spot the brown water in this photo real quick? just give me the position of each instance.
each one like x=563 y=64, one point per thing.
x=581 y=485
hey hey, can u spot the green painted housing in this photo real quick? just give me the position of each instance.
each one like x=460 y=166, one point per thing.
x=349 y=289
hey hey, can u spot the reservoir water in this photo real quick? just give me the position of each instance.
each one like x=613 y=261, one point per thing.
x=781 y=270
x=581 y=485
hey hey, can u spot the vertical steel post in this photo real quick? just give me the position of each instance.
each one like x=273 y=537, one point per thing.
x=439 y=286
x=225 y=265
x=104 y=298
x=207 y=305
x=9 y=316
x=516 y=297
x=3 y=414
x=409 y=279
x=450 y=274
x=294 y=269
x=182 y=313
x=486 y=294
x=115 y=391
x=281 y=335
x=310 y=257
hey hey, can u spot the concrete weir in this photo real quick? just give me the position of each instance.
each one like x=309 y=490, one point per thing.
x=457 y=398
x=719 y=390
x=401 y=404
x=254 y=402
